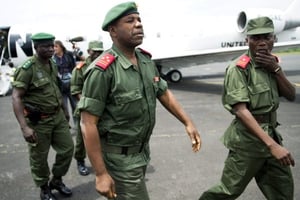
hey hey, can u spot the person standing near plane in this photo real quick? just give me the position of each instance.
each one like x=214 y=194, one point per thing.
x=252 y=87
x=65 y=62
x=95 y=48
x=37 y=104
x=118 y=107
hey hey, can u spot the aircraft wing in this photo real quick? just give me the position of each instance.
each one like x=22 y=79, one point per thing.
x=193 y=58
x=170 y=63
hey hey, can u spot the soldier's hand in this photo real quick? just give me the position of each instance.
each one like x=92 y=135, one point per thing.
x=282 y=154
x=105 y=186
x=195 y=137
x=29 y=135
x=267 y=60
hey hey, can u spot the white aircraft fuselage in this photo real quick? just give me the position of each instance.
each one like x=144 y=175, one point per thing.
x=171 y=49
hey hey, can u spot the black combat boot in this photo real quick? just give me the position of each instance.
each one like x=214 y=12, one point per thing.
x=57 y=184
x=46 y=193
x=82 y=169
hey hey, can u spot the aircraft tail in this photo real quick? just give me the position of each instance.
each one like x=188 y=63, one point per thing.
x=293 y=9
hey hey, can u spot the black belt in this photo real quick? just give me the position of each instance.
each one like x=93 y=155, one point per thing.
x=121 y=150
x=266 y=118
x=46 y=115
x=53 y=111
x=262 y=118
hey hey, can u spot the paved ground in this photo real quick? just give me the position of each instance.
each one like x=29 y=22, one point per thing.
x=175 y=172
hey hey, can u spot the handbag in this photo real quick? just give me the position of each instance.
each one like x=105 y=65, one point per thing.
x=66 y=82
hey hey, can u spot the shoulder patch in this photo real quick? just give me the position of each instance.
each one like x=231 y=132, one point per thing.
x=105 y=61
x=243 y=61
x=80 y=64
x=145 y=52
x=27 y=64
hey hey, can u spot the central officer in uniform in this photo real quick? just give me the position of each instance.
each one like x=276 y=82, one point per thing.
x=118 y=106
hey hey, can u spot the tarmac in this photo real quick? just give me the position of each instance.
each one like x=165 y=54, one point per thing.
x=174 y=172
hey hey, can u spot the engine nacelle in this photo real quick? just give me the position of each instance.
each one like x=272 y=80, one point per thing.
x=279 y=20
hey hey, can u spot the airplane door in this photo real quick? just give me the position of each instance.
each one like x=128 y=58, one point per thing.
x=3 y=44
x=5 y=70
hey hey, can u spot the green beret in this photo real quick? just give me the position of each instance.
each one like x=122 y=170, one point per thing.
x=117 y=12
x=260 y=25
x=40 y=37
x=95 y=45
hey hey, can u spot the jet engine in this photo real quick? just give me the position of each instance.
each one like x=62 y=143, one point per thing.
x=280 y=20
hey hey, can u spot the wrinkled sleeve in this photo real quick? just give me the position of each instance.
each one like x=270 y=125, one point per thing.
x=162 y=87
x=235 y=87
x=76 y=81
x=95 y=92
x=22 y=78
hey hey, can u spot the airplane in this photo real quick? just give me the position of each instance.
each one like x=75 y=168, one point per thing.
x=171 y=50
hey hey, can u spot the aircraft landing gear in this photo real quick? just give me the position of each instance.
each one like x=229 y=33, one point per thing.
x=174 y=76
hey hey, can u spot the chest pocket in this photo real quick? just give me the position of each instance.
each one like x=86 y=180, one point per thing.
x=128 y=97
x=259 y=95
x=41 y=84
x=128 y=105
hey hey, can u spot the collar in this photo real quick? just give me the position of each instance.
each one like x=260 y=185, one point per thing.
x=125 y=63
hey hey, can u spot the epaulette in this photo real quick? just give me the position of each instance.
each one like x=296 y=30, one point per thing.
x=145 y=52
x=105 y=61
x=80 y=64
x=28 y=63
x=243 y=61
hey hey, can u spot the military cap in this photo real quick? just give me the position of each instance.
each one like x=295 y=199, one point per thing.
x=260 y=25
x=117 y=12
x=40 y=37
x=96 y=45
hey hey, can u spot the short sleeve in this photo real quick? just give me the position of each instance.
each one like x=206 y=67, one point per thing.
x=95 y=92
x=162 y=87
x=22 y=78
x=76 y=81
x=235 y=87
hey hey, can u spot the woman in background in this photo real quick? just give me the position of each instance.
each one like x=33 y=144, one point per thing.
x=65 y=63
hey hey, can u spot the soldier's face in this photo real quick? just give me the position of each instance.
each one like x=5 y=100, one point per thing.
x=45 y=50
x=262 y=43
x=94 y=54
x=128 y=30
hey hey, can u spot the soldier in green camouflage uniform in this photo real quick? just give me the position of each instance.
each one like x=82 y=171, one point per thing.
x=118 y=107
x=95 y=48
x=37 y=103
x=252 y=87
